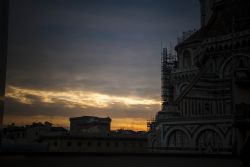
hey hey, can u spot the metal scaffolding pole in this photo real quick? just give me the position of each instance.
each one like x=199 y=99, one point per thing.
x=168 y=61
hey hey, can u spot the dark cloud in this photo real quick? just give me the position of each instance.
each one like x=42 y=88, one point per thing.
x=108 y=46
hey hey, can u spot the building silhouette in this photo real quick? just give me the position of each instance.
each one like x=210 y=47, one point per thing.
x=206 y=88
x=87 y=134
x=89 y=124
x=114 y=142
x=93 y=135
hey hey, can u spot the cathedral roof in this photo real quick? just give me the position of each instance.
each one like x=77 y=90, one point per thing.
x=228 y=16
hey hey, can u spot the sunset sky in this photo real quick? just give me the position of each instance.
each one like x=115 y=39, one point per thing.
x=70 y=58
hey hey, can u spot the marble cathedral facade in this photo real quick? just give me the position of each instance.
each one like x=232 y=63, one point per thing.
x=208 y=96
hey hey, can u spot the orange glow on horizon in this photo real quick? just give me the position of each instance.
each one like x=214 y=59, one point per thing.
x=136 y=124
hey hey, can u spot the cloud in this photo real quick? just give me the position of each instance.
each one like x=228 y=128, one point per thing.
x=74 y=58
x=76 y=98
x=25 y=105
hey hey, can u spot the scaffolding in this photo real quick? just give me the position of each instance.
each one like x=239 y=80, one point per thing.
x=168 y=62
x=150 y=123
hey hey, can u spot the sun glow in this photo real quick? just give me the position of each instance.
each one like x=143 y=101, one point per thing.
x=136 y=124
x=75 y=98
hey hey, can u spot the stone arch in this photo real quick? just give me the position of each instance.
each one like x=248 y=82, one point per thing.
x=209 y=139
x=227 y=62
x=178 y=137
x=182 y=87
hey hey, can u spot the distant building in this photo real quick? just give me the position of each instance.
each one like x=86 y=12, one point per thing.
x=25 y=138
x=14 y=133
x=206 y=95
x=90 y=134
x=30 y=133
x=97 y=143
x=89 y=124
x=36 y=130
x=93 y=134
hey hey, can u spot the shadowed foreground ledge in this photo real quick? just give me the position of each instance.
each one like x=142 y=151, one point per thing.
x=121 y=160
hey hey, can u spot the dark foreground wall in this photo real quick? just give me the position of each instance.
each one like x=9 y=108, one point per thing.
x=117 y=161
x=4 y=6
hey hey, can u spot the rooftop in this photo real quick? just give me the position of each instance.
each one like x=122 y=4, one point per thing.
x=90 y=118
x=229 y=17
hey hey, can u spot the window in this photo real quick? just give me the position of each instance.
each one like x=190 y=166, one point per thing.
x=187 y=59
x=209 y=141
x=178 y=139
